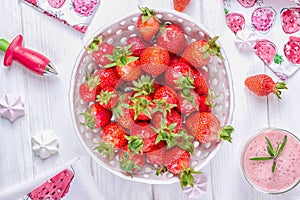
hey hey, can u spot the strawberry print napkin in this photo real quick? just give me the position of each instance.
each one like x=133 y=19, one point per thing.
x=75 y=13
x=270 y=29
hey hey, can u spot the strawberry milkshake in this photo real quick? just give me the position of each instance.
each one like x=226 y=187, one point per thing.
x=271 y=161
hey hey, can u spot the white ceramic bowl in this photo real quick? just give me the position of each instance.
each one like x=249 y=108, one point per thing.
x=219 y=79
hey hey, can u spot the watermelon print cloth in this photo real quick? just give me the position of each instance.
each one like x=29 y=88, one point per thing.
x=75 y=13
x=72 y=181
x=270 y=28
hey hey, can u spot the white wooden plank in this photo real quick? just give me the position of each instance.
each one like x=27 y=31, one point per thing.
x=283 y=115
x=115 y=187
x=14 y=142
x=225 y=168
x=48 y=97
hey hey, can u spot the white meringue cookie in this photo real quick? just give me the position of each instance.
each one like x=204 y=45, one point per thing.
x=11 y=107
x=245 y=40
x=45 y=144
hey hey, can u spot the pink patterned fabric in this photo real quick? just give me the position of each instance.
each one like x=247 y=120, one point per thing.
x=270 y=28
x=75 y=13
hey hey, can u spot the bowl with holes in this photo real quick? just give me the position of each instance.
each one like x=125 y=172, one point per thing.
x=157 y=106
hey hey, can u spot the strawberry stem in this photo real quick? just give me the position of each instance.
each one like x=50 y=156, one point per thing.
x=135 y=144
x=127 y=164
x=147 y=13
x=89 y=120
x=186 y=177
x=213 y=48
x=121 y=57
x=94 y=45
x=106 y=148
x=144 y=86
x=225 y=133
x=278 y=87
x=104 y=97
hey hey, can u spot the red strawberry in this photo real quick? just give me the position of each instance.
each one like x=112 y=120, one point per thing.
x=181 y=59
x=108 y=78
x=247 y=3
x=172 y=38
x=177 y=161
x=205 y=127
x=154 y=60
x=108 y=97
x=125 y=120
x=89 y=89
x=292 y=50
x=180 y=5
x=188 y=101
x=121 y=112
x=199 y=52
x=172 y=117
x=263 y=85
x=99 y=49
x=141 y=108
x=130 y=162
x=128 y=67
x=148 y=24
x=173 y=58
x=205 y=103
x=200 y=81
x=112 y=138
x=138 y=44
x=166 y=94
x=290 y=20
x=96 y=116
x=155 y=155
x=179 y=76
x=235 y=21
x=142 y=138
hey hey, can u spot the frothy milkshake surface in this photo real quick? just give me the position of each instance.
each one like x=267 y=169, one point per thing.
x=259 y=173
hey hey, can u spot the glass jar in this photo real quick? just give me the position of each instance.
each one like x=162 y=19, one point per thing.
x=260 y=173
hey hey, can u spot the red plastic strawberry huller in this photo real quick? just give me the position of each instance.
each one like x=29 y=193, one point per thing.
x=32 y=60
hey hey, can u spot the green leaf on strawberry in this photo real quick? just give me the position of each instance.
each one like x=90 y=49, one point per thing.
x=135 y=144
x=186 y=177
x=141 y=105
x=143 y=86
x=161 y=105
x=147 y=13
x=106 y=148
x=121 y=57
x=225 y=133
x=94 y=45
x=182 y=140
x=127 y=164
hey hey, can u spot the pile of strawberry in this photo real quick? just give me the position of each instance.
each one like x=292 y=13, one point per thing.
x=150 y=98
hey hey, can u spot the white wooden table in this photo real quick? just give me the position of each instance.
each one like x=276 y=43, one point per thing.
x=47 y=105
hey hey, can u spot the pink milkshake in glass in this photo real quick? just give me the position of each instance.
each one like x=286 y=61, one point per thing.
x=271 y=161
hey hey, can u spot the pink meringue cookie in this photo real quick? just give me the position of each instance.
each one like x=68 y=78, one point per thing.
x=11 y=107
x=200 y=185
